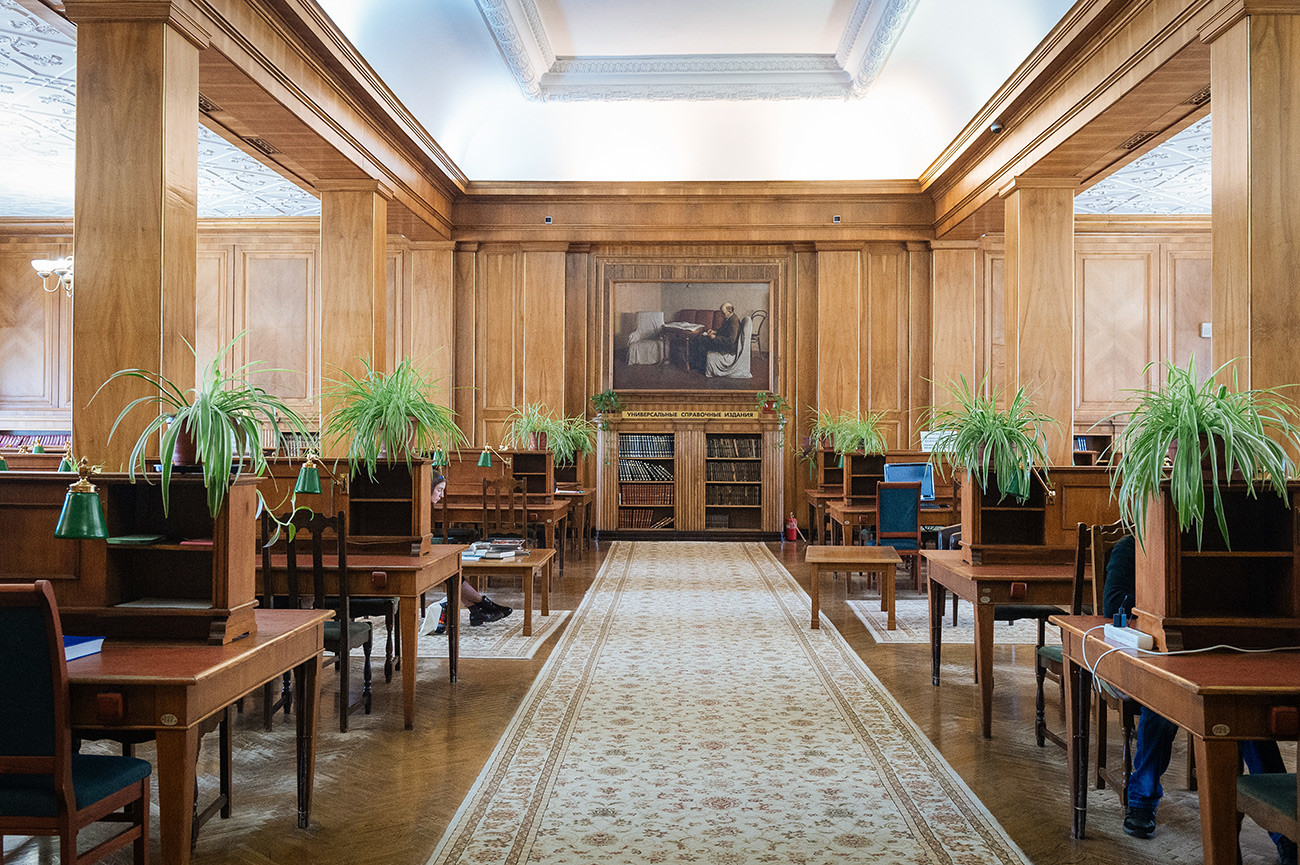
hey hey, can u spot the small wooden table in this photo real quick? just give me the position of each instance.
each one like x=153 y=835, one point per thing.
x=550 y=515
x=1221 y=697
x=987 y=586
x=881 y=560
x=818 y=501
x=580 y=504
x=406 y=578
x=536 y=563
x=169 y=688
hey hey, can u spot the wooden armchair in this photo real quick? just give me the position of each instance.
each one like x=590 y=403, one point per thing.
x=1270 y=800
x=46 y=789
x=898 y=522
x=1049 y=661
x=505 y=507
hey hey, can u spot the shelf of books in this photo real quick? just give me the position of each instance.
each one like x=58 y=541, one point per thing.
x=646 y=481
x=733 y=482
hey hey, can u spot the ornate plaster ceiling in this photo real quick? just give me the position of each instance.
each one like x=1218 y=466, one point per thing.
x=647 y=52
x=38 y=136
x=1173 y=178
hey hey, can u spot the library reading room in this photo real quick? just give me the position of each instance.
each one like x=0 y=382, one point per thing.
x=620 y=432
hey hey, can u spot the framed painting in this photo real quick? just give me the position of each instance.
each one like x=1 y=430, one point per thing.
x=691 y=336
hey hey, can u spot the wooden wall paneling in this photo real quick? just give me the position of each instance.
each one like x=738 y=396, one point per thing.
x=1040 y=302
x=278 y=304
x=1116 y=326
x=135 y=213
x=465 y=385
x=839 y=316
x=579 y=382
x=882 y=340
x=33 y=332
x=396 y=304
x=993 y=361
x=800 y=337
x=1186 y=303
x=920 y=286
x=499 y=361
x=1256 y=172
x=214 y=306
x=689 y=468
x=429 y=326
x=543 y=326
x=957 y=307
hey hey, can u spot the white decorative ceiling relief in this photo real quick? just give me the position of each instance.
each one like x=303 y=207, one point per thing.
x=871 y=31
x=38 y=75
x=1172 y=179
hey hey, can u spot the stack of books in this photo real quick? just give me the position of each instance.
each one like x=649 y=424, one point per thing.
x=499 y=548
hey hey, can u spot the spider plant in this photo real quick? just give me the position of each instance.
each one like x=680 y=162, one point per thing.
x=823 y=428
x=527 y=424
x=570 y=437
x=858 y=432
x=380 y=415
x=976 y=435
x=1216 y=430
x=222 y=413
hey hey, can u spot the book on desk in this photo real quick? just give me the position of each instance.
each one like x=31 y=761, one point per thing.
x=80 y=647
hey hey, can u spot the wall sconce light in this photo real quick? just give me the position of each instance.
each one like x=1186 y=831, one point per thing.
x=485 y=458
x=309 y=476
x=82 y=516
x=60 y=268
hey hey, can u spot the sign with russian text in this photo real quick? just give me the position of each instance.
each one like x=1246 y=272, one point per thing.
x=690 y=414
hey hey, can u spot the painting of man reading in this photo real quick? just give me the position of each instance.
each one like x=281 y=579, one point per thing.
x=692 y=336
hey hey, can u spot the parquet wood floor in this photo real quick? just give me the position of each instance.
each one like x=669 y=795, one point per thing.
x=383 y=796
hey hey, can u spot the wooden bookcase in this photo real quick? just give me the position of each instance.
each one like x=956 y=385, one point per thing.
x=646 y=481
x=1043 y=528
x=862 y=472
x=1244 y=596
x=733 y=481
x=830 y=474
x=393 y=513
x=537 y=468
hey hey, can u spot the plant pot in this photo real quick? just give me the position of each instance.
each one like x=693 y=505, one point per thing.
x=186 y=450
x=1220 y=457
x=537 y=441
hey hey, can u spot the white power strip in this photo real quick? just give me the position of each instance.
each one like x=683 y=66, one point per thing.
x=1128 y=637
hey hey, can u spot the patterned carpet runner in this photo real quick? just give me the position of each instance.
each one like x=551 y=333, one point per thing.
x=688 y=714
x=912 y=624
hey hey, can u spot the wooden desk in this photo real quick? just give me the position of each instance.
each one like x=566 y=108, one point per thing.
x=168 y=688
x=581 y=503
x=849 y=517
x=404 y=577
x=678 y=341
x=881 y=560
x=549 y=515
x=1220 y=697
x=536 y=563
x=987 y=586
x=818 y=500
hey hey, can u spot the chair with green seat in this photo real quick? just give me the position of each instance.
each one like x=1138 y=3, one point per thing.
x=339 y=639
x=1049 y=660
x=45 y=788
x=1270 y=800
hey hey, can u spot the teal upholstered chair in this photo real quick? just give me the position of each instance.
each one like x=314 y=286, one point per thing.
x=898 y=522
x=46 y=789
x=1270 y=800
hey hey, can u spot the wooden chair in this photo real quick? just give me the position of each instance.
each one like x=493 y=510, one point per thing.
x=46 y=789
x=505 y=508
x=339 y=639
x=1049 y=660
x=1270 y=800
x=898 y=522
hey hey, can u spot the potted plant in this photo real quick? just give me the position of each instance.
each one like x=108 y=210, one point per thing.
x=223 y=414
x=572 y=436
x=1193 y=435
x=822 y=431
x=855 y=432
x=381 y=415
x=1009 y=443
x=605 y=402
x=529 y=427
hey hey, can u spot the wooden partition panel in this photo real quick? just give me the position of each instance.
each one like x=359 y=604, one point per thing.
x=34 y=362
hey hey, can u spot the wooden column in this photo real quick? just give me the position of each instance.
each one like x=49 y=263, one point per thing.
x=1040 y=302
x=1254 y=54
x=136 y=225
x=353 y=277
x=433 y=344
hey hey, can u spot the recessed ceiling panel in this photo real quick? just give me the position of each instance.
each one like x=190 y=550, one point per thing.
x=1172 y=179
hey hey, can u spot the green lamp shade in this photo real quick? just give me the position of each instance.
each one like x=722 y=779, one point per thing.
x=439 y=458
x=82 y=517
x=66 y=465
x=308 y=480
x=841 y=461
x=38 y=449
x=4 y=465
x=485 y=459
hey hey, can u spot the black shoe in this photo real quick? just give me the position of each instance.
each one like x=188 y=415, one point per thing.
x=1140 y=822
x=503 y=610
x=484 y=611
x=1286 y=852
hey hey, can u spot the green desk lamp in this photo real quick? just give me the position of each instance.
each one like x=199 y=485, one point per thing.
x=82 y=516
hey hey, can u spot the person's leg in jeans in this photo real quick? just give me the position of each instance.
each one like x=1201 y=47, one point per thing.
x=1265 y=757
x=1151 y=753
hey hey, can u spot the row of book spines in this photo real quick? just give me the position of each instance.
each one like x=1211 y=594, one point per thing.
x=733 y=472
x=638 y=519
x=58 y=441
x=638 y=445
x=635 y=470
x=646 y=494
x=733 y=496
x=733 y=447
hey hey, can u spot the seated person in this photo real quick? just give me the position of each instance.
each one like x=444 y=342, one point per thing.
x=723 y=339
x=1155 y=733
x=482 y=609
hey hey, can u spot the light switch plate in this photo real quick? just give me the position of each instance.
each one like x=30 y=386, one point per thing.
x=1206 y=329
